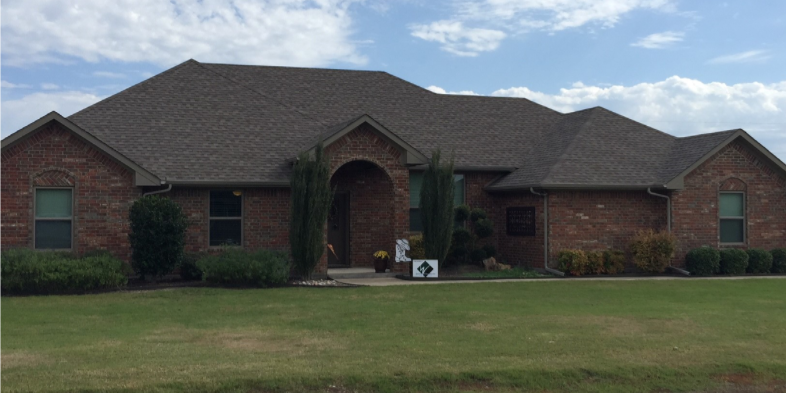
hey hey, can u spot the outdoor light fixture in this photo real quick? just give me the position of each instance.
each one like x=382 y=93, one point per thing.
x=237 y=193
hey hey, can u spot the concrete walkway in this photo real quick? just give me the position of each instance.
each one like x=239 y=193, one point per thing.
x=390 y=281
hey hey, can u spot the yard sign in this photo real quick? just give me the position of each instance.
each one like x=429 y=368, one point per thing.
x=425 y=268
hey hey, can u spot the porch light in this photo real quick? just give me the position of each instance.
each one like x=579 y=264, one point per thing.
x=237 y=193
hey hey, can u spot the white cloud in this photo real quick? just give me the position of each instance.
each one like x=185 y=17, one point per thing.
x=659 y=40
x=23 y=111
x=439 y=90
x=49 y=86
x=109 y=74
x=8 y=85
x=682 y=106
x=458 y=39
x=752 y=56
x=291 y=32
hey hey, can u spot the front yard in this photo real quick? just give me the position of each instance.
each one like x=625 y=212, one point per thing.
x=632 y=336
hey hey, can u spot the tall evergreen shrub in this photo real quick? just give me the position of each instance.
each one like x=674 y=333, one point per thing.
x=436 y=207
x=158 y=235
x=311 y=200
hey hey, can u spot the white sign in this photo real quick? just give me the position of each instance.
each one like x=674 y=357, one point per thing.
x=425 y=268
x=402 y=246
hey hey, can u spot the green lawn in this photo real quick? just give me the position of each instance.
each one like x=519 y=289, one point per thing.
x=625 y=336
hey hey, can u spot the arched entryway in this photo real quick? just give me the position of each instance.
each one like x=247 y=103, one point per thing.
x=361 y=220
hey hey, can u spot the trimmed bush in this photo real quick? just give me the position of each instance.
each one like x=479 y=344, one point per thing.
x=236 y=267
x=490 y=250
x=436 y=207
x=652 y=250
x=574 y=262
x=613 y=261
x=477 y=214
x=189 y=270
x=27 y=271
x=595 y=263
x=759 y=261
x=158 y=235
x=704 y=261
x=477 y=255
x=483 y=228
x=416 y=248
x=462 y=213
x=733 y=261
x=778 y=260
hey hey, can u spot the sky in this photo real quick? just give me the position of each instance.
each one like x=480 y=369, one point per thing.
x=683 y=67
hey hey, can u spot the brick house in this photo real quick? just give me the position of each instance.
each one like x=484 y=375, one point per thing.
x=221 y=140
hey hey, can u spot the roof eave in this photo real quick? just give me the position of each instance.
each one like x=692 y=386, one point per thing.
x=577 y=187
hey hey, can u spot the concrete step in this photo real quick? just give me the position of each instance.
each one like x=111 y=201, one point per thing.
x=355 y=272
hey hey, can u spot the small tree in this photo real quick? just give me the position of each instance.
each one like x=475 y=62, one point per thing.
x=158 y=234
x=466 y=239
x=311 y=200
x=436 y=207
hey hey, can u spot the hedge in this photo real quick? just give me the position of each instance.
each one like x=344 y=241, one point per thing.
x=26 y=271
x=704 y=261
x=613 y=261
x=778 y=260
x=573 y=262
x=237 y=267
x=759 y=261
x=733 y=261
x=652 y=251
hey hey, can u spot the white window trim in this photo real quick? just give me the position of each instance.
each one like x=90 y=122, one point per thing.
x=741 y=218
x=69 y=218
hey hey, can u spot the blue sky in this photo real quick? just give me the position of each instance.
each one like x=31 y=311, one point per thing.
x=684 y=67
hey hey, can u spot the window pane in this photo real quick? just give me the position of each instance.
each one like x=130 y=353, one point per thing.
x=731 y=205
x=53 y=203
x=415 y=181
x=225 y=232
x=415 y=223
x=225 y=204
x=53 y=234
x=731 y=231
x=458 y=190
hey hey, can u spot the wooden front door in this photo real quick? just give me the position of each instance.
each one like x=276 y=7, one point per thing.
x=338 y=231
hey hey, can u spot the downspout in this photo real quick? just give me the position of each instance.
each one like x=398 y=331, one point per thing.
x=668 y=225
x=546 y=233
x=169 y=188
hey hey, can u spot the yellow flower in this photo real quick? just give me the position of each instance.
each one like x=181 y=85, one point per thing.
x=381 y=254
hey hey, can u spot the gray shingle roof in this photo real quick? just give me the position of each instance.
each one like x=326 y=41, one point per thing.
x=227 y=123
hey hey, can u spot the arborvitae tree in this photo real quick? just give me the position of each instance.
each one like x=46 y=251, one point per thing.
x=436 y=207
x=158 y=235
x=311 y=200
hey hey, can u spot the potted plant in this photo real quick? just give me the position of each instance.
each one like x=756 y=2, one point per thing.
x=381 y=261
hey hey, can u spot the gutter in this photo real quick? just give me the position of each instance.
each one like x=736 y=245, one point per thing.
x=546 y=233
x=668 y=226
x=169 y=188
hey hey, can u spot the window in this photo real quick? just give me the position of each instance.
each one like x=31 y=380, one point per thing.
x=53 y=218
x=415 y=182
x=226 y=218
x=732 y=217
x=520 y=221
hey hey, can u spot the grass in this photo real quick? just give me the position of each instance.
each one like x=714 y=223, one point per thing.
x=516 y=272
x=610 y=336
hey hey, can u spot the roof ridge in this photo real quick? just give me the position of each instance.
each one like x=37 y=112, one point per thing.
x=637 y=122
x=304 y=114
x=291 y=67
x=114 y=96
x=708 y=134
x=573 y=141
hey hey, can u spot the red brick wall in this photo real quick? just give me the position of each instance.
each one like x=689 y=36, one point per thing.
x=735 y=167
x=365 y=144
x=371 y=215
x=103 y=190
x=600 y=220
x=519 y=250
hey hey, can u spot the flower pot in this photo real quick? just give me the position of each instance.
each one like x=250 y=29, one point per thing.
x=380 y=264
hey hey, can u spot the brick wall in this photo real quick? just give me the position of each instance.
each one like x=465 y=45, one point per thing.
x=103 y=190
x=519 y=250
x=735 y=167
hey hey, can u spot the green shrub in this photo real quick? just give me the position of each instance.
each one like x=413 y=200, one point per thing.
x=778 y=260
x=477 y=255
x=490 y=250
x=574 y=262
x=436 y=207
x=477 y=214
x=27 y=271
x=759 y=261
x=613 y=261
x=595 y=262
x=652 y=251
x=461 y=236
x=158 y=235
x=189 y=270
x=462 y=213
x=416 y=248
x=703 y=261
x=733 y=261
x=96 y=253
x=237 y=267
x=483 y=228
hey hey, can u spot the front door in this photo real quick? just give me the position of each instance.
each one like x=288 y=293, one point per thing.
x=338 y=231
